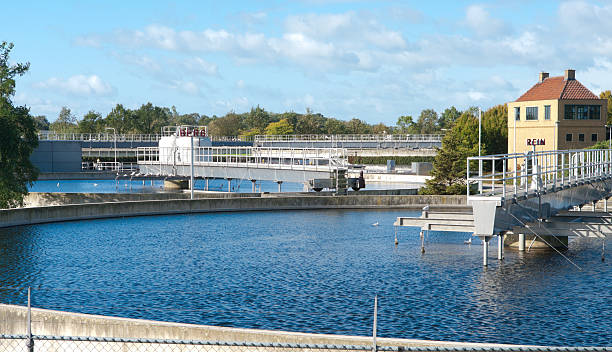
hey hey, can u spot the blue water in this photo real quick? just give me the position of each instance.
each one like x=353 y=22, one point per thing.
x=311 y=271
x=126 y=186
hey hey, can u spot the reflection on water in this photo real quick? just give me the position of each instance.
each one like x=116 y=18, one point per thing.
x=127 y=186
x=312 y=271
x=220 y=185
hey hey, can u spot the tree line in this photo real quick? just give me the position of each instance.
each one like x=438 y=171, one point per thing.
x=149 y=119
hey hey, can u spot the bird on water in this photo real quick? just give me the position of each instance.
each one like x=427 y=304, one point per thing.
x=375 y=224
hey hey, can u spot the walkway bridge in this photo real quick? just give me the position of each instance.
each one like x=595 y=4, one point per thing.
x=248 y=163
x=351 y=141
x=125 y=145
x=534 y=194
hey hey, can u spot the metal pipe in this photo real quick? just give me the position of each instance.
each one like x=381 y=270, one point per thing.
x=375 y=323
x=500 y=247
x=30 y=342
x=521 y=240
x=191 y=176
x=485 y=252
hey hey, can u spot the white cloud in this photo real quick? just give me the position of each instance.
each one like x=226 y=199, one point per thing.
x=143 y=61
x=186 y=87
x=78 y=85
x=597 y=77
x=199 y=65
x=37 y=105
x=476 y=96
x=481 y=22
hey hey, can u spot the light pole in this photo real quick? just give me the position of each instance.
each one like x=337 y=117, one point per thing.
x=115 y=139
x=479 y=152
x=479 y=129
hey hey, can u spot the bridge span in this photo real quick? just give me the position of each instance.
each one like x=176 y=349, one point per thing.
x=535 y=195
x=299 y=165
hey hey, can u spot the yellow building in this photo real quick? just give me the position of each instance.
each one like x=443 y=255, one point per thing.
x=556 y=113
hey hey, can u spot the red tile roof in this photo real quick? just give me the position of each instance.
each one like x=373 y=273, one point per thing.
x=557 y=88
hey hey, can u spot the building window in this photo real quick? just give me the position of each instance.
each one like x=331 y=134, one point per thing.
x=582 y=112
x=581 y=137
x=532 y=113
x=546 y=112
x=568 y=137
x=517 y=114
x=594 y=137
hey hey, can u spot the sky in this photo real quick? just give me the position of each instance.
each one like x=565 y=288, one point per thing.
x=372 y=60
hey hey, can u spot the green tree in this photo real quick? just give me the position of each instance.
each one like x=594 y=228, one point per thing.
x=250 y=133
x=41 y=123
x=427 y=122
x=228 y=125
x=450 y=164
x=281 y=127
x=607 y=95
x=149 y=119
x=495 y=129
x=18 y=136
x=310 y=123
x=257 y=118
x=120 y=119
x=356 y=126
x=380 y=128
x=405 y=125
x=335 y=126
x=448 y=118
x=66 y=122
x=186 y=119
x=92 y=122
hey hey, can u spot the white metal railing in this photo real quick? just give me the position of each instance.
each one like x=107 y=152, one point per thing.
x=185 y=130
x=231 y=138
x=108 y=166
x=513 y=175
x=311 y=159
x=98 y=137
x=350 y=138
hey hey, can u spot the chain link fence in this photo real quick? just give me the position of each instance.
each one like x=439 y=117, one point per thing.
x=106 y=344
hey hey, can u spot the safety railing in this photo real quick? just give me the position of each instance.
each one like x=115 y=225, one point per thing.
x=350 y=138
x=98 y=137
x=514 y=175
x=276 y=158
x=31 y=343
x=108 y=166
x=231 y=138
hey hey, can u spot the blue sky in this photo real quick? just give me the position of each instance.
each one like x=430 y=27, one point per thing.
x=374 y=60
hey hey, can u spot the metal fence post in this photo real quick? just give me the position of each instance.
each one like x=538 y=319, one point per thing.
x=30 y=342
x=375 y=322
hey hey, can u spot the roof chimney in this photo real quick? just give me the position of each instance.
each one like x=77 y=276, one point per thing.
x=543 y=76
x=570 y=75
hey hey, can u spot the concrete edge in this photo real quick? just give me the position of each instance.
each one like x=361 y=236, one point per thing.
x=271 y=335
x=90 y=211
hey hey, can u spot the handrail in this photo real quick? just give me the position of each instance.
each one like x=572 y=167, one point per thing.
x=515 y=175
x=98 y=137
x=252 y=157
x=350 y=137
x=108 y=165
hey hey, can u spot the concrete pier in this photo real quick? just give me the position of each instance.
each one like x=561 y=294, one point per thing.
x=532 y=242
x=176 y=184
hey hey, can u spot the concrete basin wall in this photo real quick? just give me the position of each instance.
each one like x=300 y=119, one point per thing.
x=36 y=215
x=57 y=323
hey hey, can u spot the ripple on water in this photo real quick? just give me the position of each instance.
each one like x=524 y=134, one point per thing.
x=312 y=271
